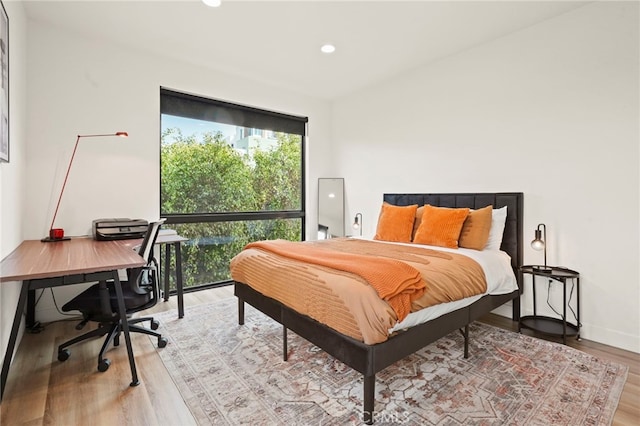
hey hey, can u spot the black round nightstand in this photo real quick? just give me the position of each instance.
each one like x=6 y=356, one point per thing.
x=549 y=325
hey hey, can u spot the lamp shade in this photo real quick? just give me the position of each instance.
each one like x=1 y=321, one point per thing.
x=538 y=243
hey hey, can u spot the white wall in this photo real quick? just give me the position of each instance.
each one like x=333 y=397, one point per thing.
x=82 y=86
x=12 y=174
x=551 y=111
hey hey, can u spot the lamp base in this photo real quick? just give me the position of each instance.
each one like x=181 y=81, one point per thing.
x=55 y=234
x=53 y=240
x=542 y=268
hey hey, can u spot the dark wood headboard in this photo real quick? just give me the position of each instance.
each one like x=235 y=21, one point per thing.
x=512 y=240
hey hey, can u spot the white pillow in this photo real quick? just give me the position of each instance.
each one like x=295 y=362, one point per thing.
x=498 y=219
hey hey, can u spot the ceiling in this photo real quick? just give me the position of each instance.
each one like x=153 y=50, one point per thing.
x=278 y=42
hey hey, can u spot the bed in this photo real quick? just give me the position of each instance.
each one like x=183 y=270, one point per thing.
x=368 y=359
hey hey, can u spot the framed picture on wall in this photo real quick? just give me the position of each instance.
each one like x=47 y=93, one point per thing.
x=4 y=84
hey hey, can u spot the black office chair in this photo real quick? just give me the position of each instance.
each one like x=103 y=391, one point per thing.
x=99 y=303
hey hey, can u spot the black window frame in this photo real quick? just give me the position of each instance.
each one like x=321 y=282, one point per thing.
x=183 y=104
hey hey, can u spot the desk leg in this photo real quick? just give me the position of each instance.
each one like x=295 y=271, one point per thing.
x=22 y=300
x=125 y=328
x=30 y=319
x=167 y=265
x=179 y=285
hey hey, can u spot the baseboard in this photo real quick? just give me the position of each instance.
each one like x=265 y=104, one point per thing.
x=45 y=315
x=504 y=310
x=617 y=339
x=614 y=338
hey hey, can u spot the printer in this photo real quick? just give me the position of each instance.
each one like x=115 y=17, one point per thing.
x=118 y=228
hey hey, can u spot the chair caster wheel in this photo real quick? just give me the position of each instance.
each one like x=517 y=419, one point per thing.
x=162 y=342
x=63 y=355
x=104 y=365
x=154 y=324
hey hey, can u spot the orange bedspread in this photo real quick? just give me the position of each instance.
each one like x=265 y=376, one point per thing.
x=344 y=300
x=396 y=282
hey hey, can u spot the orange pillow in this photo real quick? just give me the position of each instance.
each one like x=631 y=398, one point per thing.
x=440 y=226
x=475 y=229
x=395 y=223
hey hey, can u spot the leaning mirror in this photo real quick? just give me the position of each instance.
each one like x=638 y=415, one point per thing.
x=330 y=208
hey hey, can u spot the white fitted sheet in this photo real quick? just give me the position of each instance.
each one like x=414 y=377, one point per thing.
x=498 y=273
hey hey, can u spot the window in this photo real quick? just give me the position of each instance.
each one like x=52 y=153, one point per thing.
x=230 y=174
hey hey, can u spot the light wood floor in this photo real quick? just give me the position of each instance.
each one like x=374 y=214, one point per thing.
x=43 y=391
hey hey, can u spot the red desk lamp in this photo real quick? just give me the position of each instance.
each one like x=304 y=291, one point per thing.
x=57 y=234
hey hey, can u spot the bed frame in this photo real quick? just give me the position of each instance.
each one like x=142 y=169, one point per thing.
x=370 y=359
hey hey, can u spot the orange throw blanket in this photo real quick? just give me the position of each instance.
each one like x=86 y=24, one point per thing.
x=396 y=282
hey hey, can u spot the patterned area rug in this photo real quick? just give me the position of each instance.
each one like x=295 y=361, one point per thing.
x=230 y=374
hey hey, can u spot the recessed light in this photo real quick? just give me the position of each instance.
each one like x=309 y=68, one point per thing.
x=212 y=3
x=328 y=48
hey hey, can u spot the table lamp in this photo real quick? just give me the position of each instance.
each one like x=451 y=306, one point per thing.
x=540 y=243
x=57 y=234
x=357 y=223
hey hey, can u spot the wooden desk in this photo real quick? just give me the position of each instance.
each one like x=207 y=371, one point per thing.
x=79 y=260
